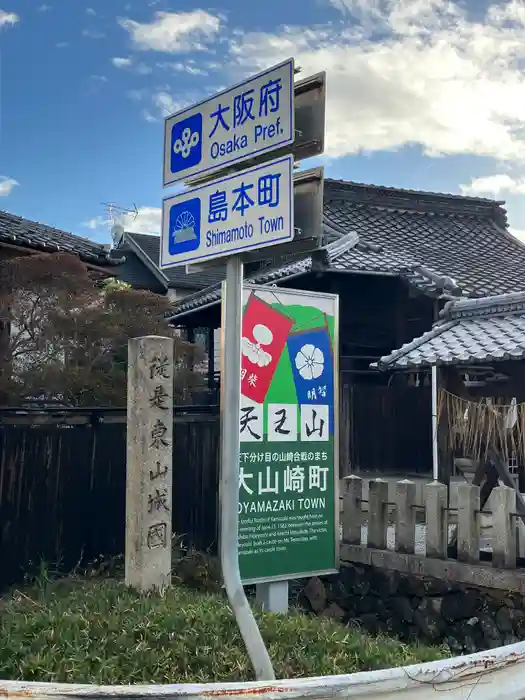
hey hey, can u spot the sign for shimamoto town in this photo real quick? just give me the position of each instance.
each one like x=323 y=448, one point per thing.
x=243 y=212
x=288 y=483
x=244 y=121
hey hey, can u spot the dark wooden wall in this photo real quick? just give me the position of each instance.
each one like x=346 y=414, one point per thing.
x=62 y=486
x=388 y=422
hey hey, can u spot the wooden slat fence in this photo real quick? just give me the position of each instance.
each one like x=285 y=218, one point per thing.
x=62 y=486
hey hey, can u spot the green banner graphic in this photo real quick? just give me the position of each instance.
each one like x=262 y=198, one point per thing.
x=288 y=496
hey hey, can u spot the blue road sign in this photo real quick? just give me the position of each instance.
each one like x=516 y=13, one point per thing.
x=254 y=117
x=249 y=210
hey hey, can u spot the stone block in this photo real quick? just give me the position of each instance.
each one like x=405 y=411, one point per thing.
x=436 y=517
x=315 y=594
x=460 y=606
x=334 y=612
x=401 y=608
x=429 y=622
x=490 y=631
x=468 y=523
x=385 y=583
x=352 y=516
x=377 y=514
x=405 y=531
x=504 y=621
x=149 y=463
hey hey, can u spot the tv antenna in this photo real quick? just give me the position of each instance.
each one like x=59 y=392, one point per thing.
x=117 y=215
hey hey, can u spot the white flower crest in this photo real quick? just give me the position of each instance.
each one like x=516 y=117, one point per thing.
x=310 y=362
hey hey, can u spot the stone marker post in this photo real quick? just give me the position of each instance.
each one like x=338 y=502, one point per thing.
x=149 y=463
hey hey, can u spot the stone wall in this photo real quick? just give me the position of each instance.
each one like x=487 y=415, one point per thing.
x=466 y=618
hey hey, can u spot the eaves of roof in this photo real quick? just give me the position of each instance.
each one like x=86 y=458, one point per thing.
x=273 y=275
x=470 y=331
x=446 y=246
x=34 y=236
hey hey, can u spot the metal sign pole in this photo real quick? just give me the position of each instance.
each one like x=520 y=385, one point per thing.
x=230 y=449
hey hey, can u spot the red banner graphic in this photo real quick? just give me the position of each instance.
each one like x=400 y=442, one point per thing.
x=264 y=334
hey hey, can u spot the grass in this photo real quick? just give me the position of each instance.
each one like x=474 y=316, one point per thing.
x=98 y=631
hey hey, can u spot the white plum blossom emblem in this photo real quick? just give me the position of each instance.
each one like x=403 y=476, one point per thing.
x=310 y=362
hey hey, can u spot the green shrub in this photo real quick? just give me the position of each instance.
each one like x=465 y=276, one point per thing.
x=80 y=631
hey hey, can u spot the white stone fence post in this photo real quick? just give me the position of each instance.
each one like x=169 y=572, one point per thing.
x=399 y=515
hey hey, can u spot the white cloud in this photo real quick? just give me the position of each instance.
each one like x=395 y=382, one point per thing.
x=137 y=95
x=44 y=8
x=140 y=68
x=119 y=62
x=173 y=32
x=8 y=19
x=518 y=233
x=148 y=220
x=62 y=44
x=6 y=185
x=164 y=104
x=494 y=185
x=149 y=117
x=189 y=66
x=97 y=222
x=93 y=34
x=143 y=69
x=91 y=12
x=419 y=72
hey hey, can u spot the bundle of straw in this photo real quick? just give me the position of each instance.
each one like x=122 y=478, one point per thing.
x=471 y=427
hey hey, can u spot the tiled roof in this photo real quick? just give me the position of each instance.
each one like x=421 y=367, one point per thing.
x=445 y=245
x=469 y=331
x=271 y=275
x=175 y=276
x=447 y=236
x=35 y=236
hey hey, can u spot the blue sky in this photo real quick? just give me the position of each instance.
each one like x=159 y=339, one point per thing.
x=425 y=94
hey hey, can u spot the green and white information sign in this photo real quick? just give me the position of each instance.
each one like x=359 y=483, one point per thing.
x=288 y=485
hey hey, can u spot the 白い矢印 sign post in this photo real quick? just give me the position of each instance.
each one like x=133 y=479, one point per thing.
x=278 y=446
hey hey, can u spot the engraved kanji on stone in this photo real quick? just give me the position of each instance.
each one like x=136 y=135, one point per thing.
x=158 y=432
x=159 y=471
x=158 y=501
x=158 y=398
x=159 y=367
x=157 y=536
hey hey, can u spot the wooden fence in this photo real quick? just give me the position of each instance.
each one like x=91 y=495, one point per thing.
x=62 y=485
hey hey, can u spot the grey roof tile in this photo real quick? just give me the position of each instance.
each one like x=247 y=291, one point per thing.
x=469 y=331
x=462 y=238
x=35 y=236
x=212 y=294
x=269 y=275
x=445 y=245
